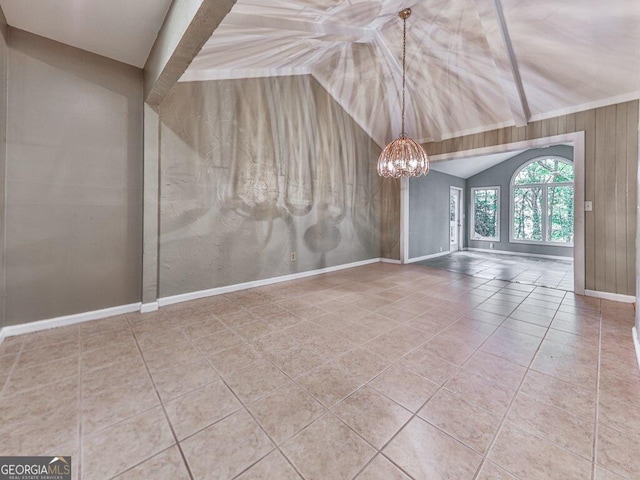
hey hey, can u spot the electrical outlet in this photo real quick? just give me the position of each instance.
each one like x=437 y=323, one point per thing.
x=588 y=206
x=440 y=248
x=491 y=246
x=293 y=256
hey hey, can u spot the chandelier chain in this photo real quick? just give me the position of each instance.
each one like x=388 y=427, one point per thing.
x=404 y=68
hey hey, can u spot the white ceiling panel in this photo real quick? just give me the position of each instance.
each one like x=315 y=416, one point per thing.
x=123 y=30
x=473 y=65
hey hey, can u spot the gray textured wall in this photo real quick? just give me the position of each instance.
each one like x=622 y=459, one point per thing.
x=74 y=181
x=254 y=169
x=500 y=175
x=429 y=213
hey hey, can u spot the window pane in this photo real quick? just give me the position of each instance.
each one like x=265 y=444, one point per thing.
x=527 y=214
x=545 y=170
x=560 y=214
x=485 y=216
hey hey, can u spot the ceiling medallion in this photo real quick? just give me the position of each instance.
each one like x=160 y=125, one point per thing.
x=403 y=157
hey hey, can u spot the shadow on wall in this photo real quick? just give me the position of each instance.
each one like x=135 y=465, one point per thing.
x=253 y=170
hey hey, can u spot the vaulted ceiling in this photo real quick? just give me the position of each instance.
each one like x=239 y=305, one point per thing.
x=473 y=65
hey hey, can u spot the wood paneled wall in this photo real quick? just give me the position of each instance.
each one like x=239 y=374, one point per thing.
x=611 y=165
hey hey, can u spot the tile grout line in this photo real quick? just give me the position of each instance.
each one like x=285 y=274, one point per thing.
x=517 y=390
x=12 y=369
x=164 y=410
x=246 y=409
x=441 y=387
x=594 y=456
x=329 y=410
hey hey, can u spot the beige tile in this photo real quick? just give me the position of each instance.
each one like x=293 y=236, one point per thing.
x=556 y=425
x=235 y=358
x=330 y=384
x=331 y=345
x=105 y=325
x=125 y=444
x=107 y=339
x=24 y=414
x=496 y=369
x=255 y=381
x=528 y=456
x=604 y=474
x=362 y=363
x=221 y=340
x=425 y=452
x=328 y=449
x=568 y=364
x=101 y=379
x=284 y=320
x=297 y=360
x=12 y=345
x=472 y=425
x=372 y=415
x=381 y=469
x=167 y=464
x=165 y=358
x=46 y=353
x=163 y=338
x=563 y=395
x=286 y=411
x=429 y=366
x=491 y=471
x=201 y=328
x=406 y=388
x=184 y=378
x=50 y=337
x=202 y=407
x=7 y=361
x=26 y=378
x=481 y=391
x=618 y=452
x=390 y=347
x=453 y=348
x=253 y=330
x=101 y=357
x=226 y=448
x=272 y=467
x=525 y=327
x=116 y=404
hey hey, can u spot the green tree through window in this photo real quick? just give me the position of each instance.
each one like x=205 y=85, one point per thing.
x=486 y=213
x=543 y=202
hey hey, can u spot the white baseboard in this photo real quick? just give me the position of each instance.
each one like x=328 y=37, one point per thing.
x=521 y=254
x=149 y=307
x=616 y=297
x=636 y=342
x=427 y=257
x=391 y=260
x=185 y=297
x=13 y=330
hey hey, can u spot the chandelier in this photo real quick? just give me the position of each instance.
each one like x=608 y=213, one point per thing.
x=403 y=157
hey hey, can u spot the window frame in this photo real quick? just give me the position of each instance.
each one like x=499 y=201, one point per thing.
x=545 y=196
x=472 y=226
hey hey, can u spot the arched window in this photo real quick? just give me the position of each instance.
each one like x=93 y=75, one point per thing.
x=542 y=207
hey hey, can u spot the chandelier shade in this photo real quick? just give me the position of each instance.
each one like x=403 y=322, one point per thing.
x=403 y=157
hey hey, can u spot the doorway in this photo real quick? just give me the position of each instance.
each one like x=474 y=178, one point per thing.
x=455 y=219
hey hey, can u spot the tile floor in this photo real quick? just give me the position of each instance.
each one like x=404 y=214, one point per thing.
x=544 y=272
x=381 y=372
